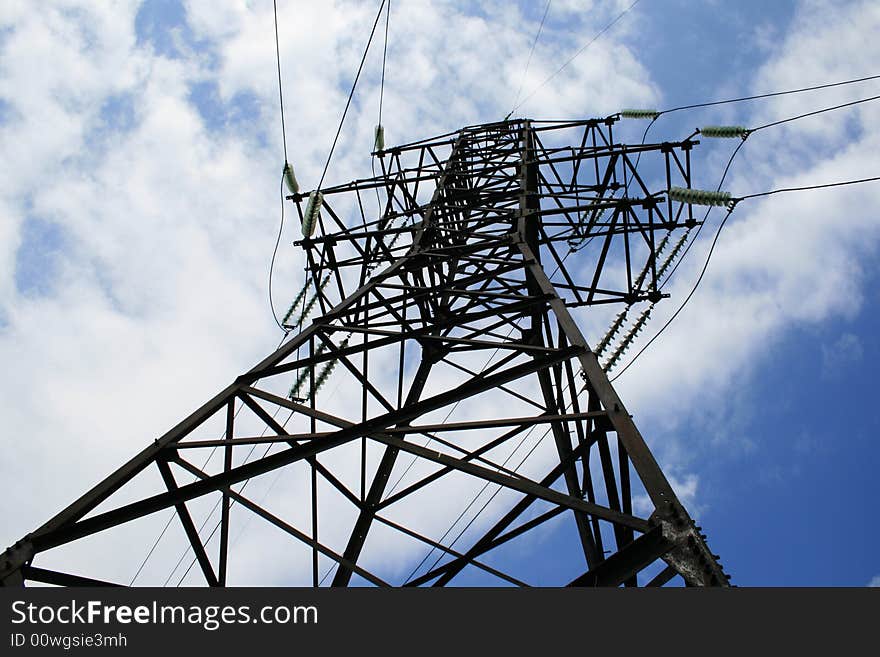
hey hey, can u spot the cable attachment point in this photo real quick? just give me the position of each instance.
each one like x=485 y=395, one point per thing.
x=379 y=138
x=724 y=131
x=290 y=178
x=700 y=196
x=640 y=114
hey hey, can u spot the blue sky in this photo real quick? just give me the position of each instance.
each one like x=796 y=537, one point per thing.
x=140 y=209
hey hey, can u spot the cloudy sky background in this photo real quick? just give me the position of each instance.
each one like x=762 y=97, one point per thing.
x=139 y=206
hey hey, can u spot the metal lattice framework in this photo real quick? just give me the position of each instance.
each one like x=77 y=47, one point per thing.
x=456 y=296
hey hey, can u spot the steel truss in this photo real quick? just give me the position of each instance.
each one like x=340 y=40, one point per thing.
x=463 y=263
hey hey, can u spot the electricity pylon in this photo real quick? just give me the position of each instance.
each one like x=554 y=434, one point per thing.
x=452 y=298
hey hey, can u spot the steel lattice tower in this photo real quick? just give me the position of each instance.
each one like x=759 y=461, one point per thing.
x=455 y=296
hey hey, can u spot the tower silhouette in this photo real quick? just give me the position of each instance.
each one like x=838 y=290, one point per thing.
x=445 y=357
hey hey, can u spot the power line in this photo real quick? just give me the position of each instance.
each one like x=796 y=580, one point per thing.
x=814 y=113
x=280 y=94
x=522 y=80
x=286 y=165
x=381 y=99
x=384 y=55
x=335 y=138
x=809 y=187
x=351 y=94
x=272 y=263
x=771 y=94
x=576 y=55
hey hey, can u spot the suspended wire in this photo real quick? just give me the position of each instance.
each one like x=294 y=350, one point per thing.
x=755 y=97
x=327 y=573
x=384 y=55
x=274 y=255
x=810 y=187
x=280 y=93
x=351 y=95
x=381 y=98
x=644 y=137
x=814 y=113
x=335 y=138
x=522 y=80
x=155 y=545
x=771 y=94
x=379 y=122
x=737 y=100
x=721 y=182
x=284 y=144
x=575 y=56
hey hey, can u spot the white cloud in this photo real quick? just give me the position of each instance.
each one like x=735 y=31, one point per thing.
x=875 y=581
